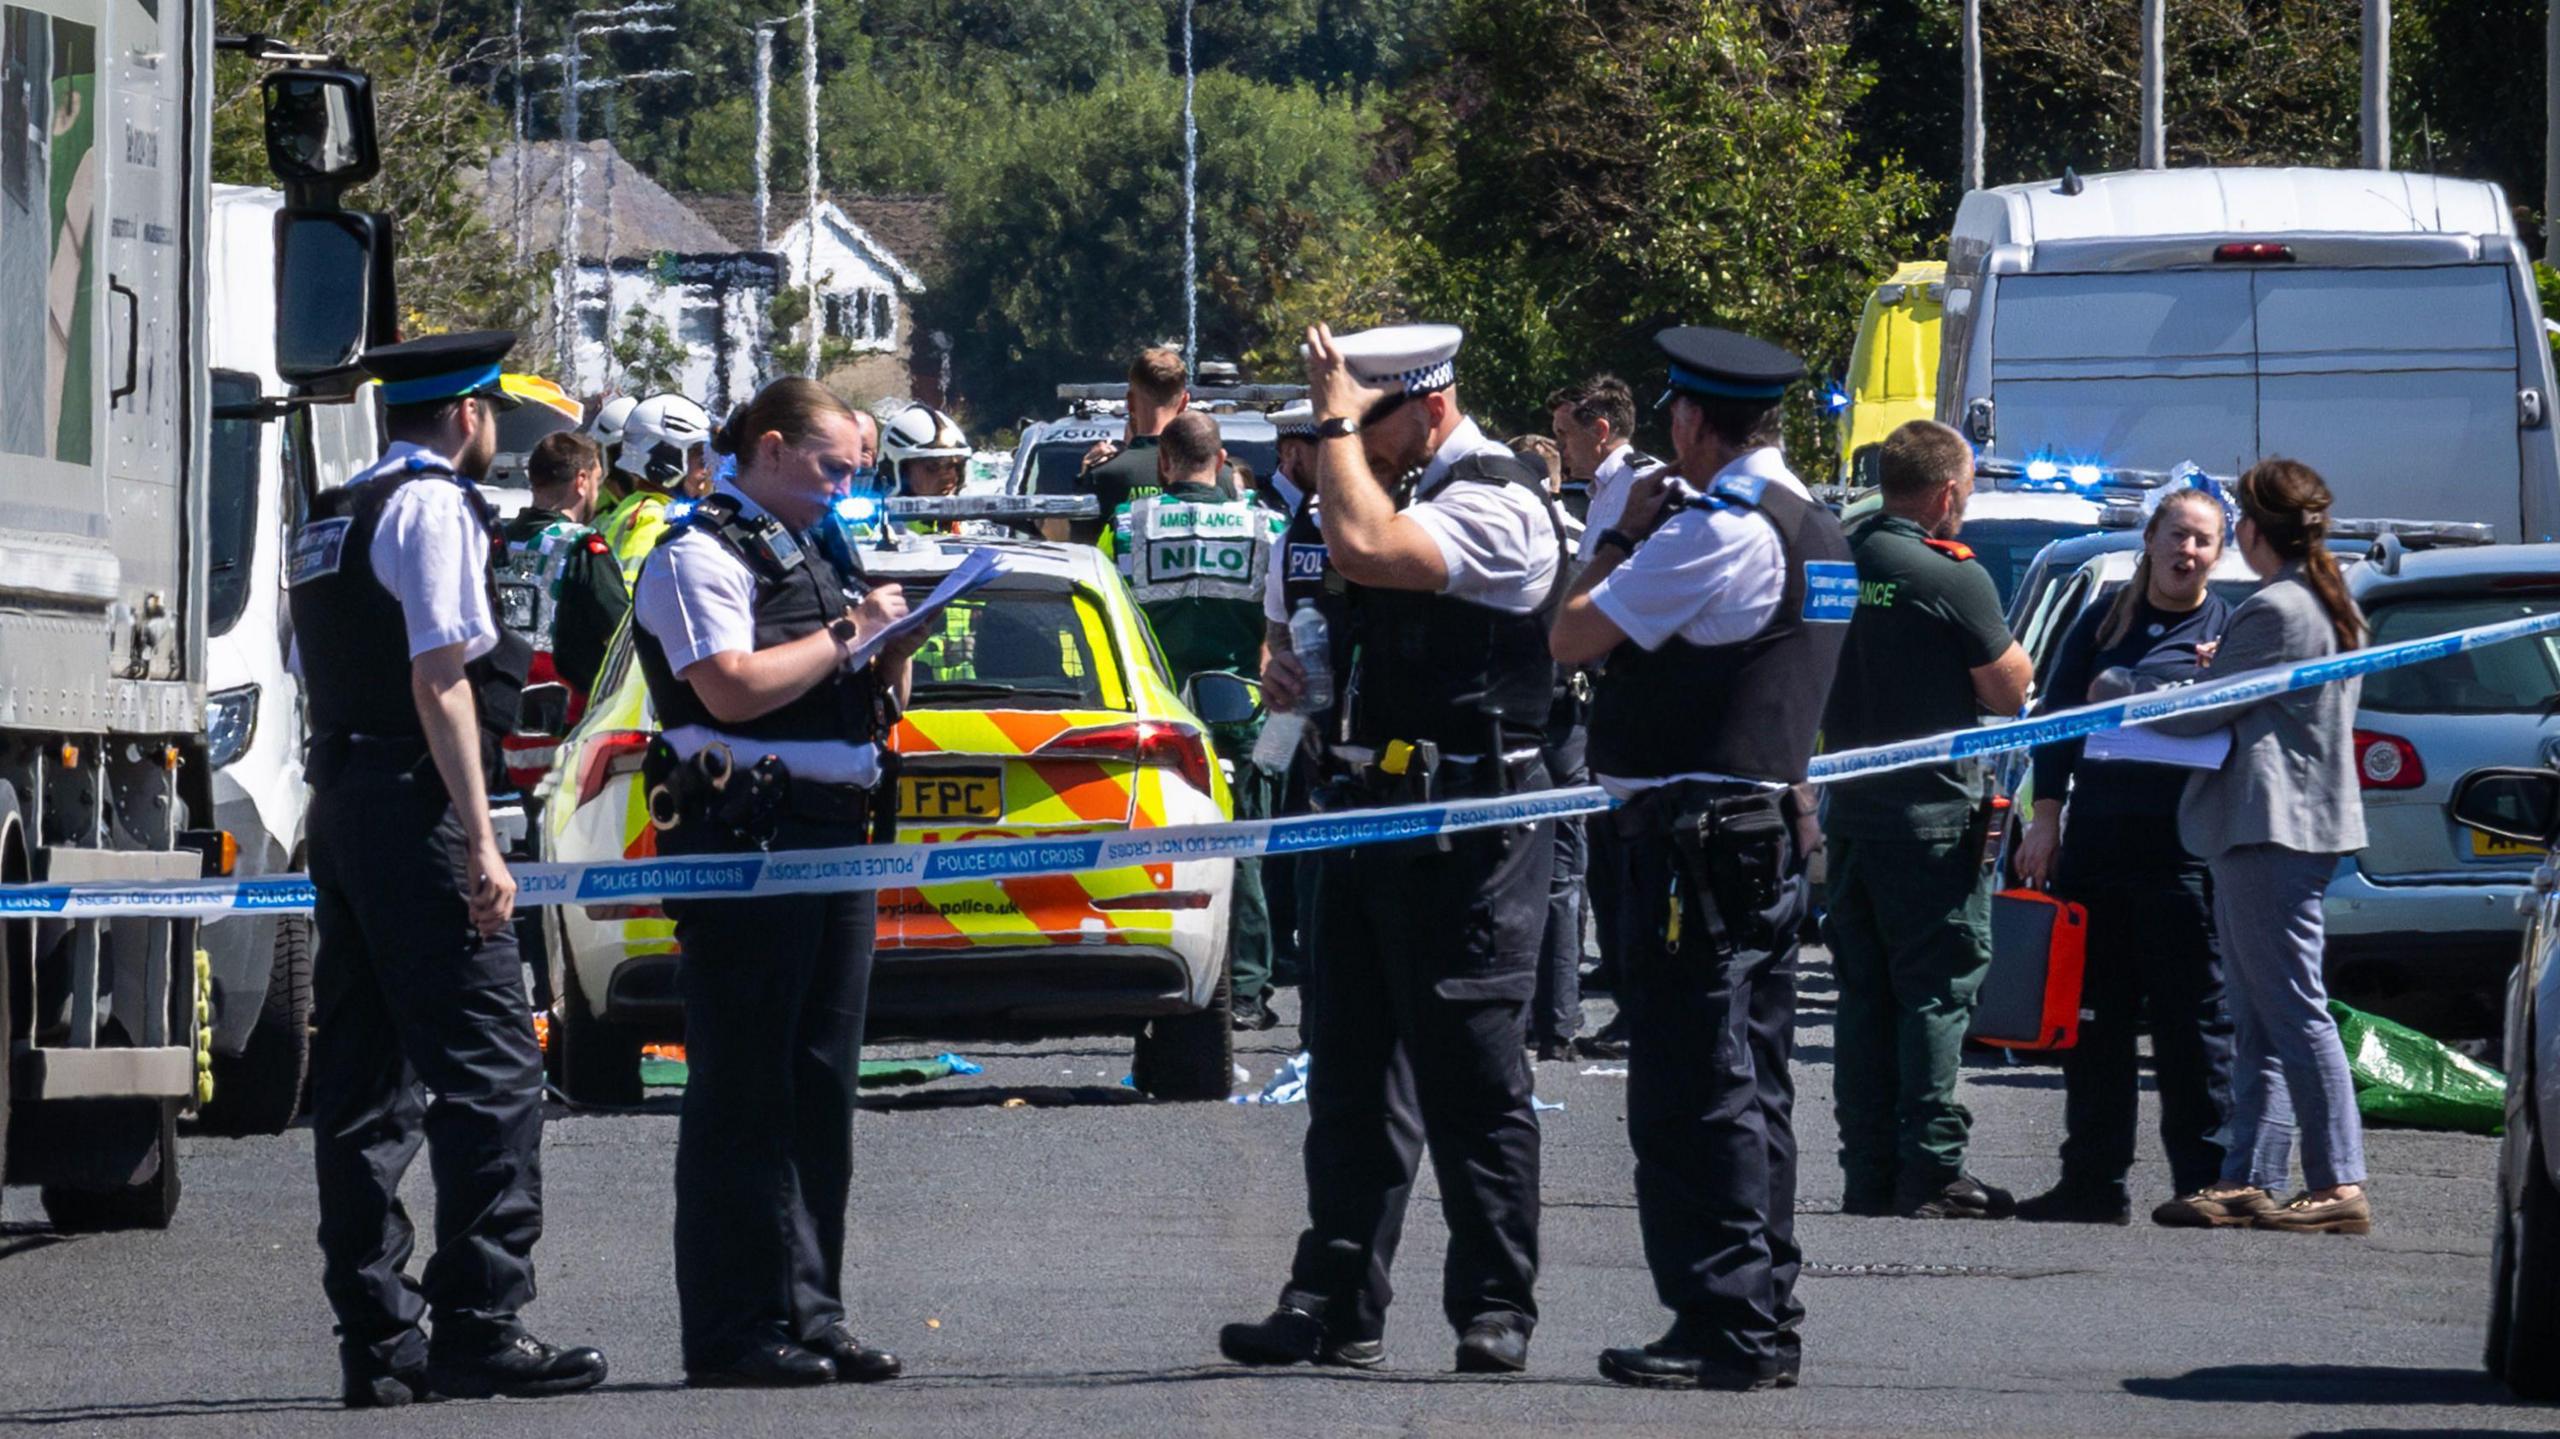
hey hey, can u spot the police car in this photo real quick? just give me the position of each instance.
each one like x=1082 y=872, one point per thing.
x=1051 y=453
x=1040 y=707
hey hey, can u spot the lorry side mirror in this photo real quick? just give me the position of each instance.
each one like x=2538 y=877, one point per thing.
x=320 y=131
x=2518 y=804
x=333 y=292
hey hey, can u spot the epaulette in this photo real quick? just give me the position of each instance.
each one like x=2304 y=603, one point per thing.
x=1956 y=550
x=1739 y=489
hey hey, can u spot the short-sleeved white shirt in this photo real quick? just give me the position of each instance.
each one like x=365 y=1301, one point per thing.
x=697 y=598
x=1275 y=593
x=1496 y=541
x=1610 y=481
x=1711 y=575
x=430 y=552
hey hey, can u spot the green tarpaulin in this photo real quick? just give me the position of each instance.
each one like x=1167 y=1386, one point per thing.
x=2403 y=1077
x=657 y=1072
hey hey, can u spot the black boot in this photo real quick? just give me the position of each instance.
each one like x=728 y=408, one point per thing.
x=855 y=1361
x=770 y=1366
x=516 y=1366
x=1663 y=1365
x=2064 y=1204
x=1288 y=1335
x=1494 y=1344
x=1963 y=1197
x=365 y=1382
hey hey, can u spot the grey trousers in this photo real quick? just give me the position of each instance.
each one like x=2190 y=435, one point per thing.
x=2288 y=1069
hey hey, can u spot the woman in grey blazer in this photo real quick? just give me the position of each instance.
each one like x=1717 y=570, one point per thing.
x=2273 y=823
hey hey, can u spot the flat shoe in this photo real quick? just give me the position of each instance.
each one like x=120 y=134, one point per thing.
x=2202 y=1210
x=2306 y=1215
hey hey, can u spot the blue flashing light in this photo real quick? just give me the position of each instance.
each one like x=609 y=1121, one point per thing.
x=2087 y=477
x=1835 y=400
x=858 y=509
x=678 y=511
x=2043 y=472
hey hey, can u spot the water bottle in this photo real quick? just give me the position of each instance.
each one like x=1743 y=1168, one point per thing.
x=1278 y=743
x=1309 y=639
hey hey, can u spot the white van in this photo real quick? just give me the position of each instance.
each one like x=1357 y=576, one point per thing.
x=260 y=476
x=2381 y=327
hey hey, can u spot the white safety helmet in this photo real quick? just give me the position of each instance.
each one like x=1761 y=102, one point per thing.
x=920 y=432
x=611 y=416
x=659 y=436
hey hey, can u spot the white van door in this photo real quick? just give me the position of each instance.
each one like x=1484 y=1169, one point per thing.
x=2397 y=385
x=2139 y=369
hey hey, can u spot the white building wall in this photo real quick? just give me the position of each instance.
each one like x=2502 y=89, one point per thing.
x=720 y=324
x=862 y=290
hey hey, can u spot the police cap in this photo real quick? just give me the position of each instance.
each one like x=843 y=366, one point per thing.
x=1714 y=364
x=1295 y=420
x=1403 y=359
x=438 y=368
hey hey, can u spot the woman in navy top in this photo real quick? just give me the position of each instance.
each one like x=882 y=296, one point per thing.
x=2150 y=937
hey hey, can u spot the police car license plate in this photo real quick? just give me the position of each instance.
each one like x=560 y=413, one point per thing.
x=952 y=794
x=2490 y=846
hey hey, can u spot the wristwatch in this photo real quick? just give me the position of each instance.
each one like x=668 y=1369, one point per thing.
x=1617 y=537
x=844 y=629
x=1338 y=428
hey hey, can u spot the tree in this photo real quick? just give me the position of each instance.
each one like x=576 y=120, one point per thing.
x=1590 y=170
x=452 y=273
x=646 y=358
x=1065 y=230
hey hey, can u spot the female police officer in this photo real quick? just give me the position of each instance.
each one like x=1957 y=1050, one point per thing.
x=769 y=741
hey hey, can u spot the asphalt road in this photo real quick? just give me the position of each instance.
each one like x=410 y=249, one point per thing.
x=1060 y=1266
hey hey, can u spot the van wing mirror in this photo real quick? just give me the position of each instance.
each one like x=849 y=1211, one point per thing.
x=320 y=132
x=333 y=291
x=2518 y=804
x=1221 y=698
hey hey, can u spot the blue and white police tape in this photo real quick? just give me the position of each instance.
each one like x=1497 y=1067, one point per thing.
x=898 y=866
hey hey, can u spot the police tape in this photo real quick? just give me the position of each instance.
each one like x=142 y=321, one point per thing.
x=900 y=866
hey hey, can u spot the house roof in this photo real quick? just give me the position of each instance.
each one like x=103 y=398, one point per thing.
x=907 y=228
x=647 y=220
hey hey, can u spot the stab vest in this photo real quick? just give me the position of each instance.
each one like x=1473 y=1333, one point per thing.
x=1750 y=709
x=797 y=591
x=1432 y=667
x=353 y=637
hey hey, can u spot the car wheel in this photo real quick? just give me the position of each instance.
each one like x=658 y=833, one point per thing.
x=2529 y=1274
x=148 y=1203
x=1189 y=1056
x=595 y=1061
x=259 y=1091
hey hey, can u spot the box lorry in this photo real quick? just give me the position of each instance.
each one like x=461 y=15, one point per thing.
x=107 y=410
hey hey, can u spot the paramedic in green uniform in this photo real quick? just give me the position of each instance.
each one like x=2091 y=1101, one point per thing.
x=1195 y=555
x=1910 y=898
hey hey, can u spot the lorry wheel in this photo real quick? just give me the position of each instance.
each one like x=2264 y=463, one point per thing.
x=146 y=1204
x=1189 y=1056
x=595 y=1061
x=260 y=1090
x=2528 y=1273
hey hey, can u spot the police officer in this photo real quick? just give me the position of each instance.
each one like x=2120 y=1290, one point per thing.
x=421 y=1025
x=665 y=453
x=1449 y=551
x=1721 y=624
x=1297 y=572
x=770 y=740
x=1194 y=557
x=558 y=583
x=1909 y=918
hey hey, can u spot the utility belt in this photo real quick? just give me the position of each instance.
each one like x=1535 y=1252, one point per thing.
x=1738 y=847
x=713 y=800
x=1411 y=772
x=327 y=758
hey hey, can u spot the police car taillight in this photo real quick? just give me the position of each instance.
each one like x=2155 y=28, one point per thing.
x=1154 y=742
x=2253 y=252
x=609 y=755
x=2386 y=761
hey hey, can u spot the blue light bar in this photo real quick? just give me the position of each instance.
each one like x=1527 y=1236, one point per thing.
x=2087 y=477
x=2043 y=472
x=858 y=509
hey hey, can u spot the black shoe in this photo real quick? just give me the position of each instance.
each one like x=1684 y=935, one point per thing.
x=1658 y=1366
x=2063 y=1205
x=363 y=1383
x=1555 y=1052
x=1353 y=1354
x=1289 y=1335
x=1963 y=1197
x=1603 y=1045
x=855 y=1361
x=516 y=1367
x=774 y=1366
x=1869 y=1206
x=1495 y=1344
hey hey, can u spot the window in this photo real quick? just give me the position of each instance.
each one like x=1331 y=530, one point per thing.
x=592 y=319
x=1023 y=650
x=2518 y=677
x=231 y=502
x=699 y=324
x=881 y=327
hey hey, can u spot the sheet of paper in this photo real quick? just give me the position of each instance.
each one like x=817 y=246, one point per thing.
x=2150 y=746
x=980 y=568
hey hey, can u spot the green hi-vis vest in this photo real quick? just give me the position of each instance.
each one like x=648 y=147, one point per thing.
x=1173 y=549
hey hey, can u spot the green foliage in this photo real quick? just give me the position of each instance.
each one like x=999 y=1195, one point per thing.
x=452 y=273
x=646 y=358
x=784 y=315
x=1594 y=169
x=1065 y=229
x=2546 y=287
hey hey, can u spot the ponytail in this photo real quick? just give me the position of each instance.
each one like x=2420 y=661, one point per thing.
x=2289 y=503
x=2128 y=600
x=794 y=406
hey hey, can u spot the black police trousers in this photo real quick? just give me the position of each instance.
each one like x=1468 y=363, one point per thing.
x=1418 y=1005
x=774 y=992
x=1711 y=1108
x=421 y=1029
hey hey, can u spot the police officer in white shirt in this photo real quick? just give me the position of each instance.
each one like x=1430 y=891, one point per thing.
x=420 y=1022
x=1721 y=623
x=771 y=741
x=1449 y=550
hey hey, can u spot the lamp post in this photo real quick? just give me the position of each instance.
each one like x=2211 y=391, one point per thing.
x=2377 y=84
x=809 y=217
x=2155 y=32
x=1972 y=95
x=1190 y=207
x=583 y=26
